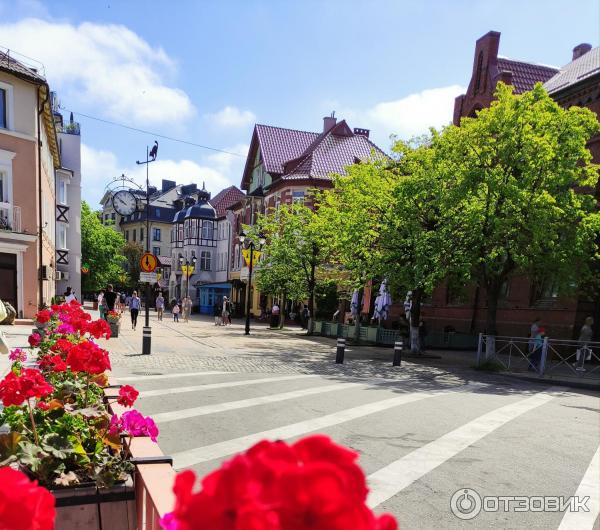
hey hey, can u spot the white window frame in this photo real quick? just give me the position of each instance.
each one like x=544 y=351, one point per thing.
x=62 y=189
x=10 y=124
x=61 y=242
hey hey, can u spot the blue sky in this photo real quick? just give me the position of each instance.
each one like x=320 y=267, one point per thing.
x=206 y=71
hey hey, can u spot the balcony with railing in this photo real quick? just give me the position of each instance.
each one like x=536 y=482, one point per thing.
x=10 y=217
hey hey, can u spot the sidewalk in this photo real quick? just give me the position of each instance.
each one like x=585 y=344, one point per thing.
x=16 y=336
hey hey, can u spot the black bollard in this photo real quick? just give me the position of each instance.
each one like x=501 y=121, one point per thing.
x=341 y=348
x=397 y=353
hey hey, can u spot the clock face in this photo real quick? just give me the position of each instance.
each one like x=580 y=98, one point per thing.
x=124 y=202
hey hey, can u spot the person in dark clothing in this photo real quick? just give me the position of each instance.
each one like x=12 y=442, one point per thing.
x=110 y=296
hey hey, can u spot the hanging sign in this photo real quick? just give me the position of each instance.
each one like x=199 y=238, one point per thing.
x=148 y=262
x=255 y=256
x=148 y=277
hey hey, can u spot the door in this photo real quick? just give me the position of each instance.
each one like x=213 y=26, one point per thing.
x=8 y=279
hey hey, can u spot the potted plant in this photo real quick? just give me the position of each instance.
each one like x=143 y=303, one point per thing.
x=114 y=320
x=62 y=432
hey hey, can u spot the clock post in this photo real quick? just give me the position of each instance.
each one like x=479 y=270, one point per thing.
x=147 y=331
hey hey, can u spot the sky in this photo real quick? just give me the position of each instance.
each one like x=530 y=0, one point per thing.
x=206 y=71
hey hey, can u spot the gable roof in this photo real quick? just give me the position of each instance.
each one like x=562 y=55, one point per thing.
x=11 y=65
x=581 y=68
x=290 y=153
x=525 y=75
x=226 y=198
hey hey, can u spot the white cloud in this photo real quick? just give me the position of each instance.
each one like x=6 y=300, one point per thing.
x=106 y=67
x=98 y=167
x=232 y=117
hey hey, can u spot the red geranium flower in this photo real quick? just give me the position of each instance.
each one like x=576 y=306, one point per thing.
x=42 y=405
x=16 y=389
x=34 y=340
x=23 y=504
x=62 y=346
x=98 y=328
x=54 y=363
x=43 y=316
x=313 y=484
x=127 y=396
x=88 y=357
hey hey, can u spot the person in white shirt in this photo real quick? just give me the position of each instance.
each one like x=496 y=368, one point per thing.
x=70 y=295
x=134 y=309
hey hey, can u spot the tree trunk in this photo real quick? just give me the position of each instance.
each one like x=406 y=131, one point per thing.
x=415 y=318
x=282 y=311
x=361 y=292
x=493 y=293
x=311 y=288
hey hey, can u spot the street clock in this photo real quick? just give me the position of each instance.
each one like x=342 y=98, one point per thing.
x=124 y=202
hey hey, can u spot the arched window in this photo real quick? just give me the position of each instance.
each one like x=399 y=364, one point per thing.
x=478 y=72
x=205 y=260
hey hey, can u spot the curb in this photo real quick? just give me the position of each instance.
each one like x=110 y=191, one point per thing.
x=560 y=382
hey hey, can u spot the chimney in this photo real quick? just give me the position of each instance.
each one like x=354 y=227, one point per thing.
x=167 y=185
x=329 y=122
x=581 y=49
x=362 y=132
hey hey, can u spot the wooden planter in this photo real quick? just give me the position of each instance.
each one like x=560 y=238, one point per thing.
x=114 y=328
x=91 y=508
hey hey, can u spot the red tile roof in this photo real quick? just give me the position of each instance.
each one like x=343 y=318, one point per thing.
x=525 y=75
x=226 y=198
x=279 y=145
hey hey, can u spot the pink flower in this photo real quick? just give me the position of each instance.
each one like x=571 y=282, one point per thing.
x=34 y=340
x=65 y=329
x=18 y=355
x=134 y=424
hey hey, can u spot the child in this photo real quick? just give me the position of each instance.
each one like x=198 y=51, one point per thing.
x=175 y=312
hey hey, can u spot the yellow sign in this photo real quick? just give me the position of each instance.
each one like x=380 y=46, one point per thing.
x=255 y=256
x=148 y=262
x=187 y=269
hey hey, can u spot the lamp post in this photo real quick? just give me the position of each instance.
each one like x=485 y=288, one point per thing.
x=188 y=269
x=251 y=246
x=147 y=331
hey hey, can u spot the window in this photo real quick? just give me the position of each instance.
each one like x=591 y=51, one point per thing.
x=236 y=258
x=156 y=234
x=3 y=103
x=207 y=230
x=298 y=196
x=113 y=216
x=478 y=72
x=157 y=212
x=205 y=260
x=156 y=251
x=141 y=234
x=62 y=236
x=134 y=238
x=62 y=191
x=3 y=179
x=126 y=235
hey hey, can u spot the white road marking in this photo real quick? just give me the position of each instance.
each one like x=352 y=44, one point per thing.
x=168 y=376
x=589 y=487
x=393 y=478
x=213 y=386
x=251 y=402
x=235 y=445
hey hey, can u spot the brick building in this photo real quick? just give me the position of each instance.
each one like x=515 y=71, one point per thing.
x=577 y=83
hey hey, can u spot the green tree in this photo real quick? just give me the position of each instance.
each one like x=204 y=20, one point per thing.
x=523 y=193
x=101 y=248
x=133 y=253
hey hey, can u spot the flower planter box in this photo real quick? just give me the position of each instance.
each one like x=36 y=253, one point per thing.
x=315 y=326
x=114 y=328
x=96 y=509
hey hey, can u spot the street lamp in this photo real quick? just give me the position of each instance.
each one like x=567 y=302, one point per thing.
x=187 y=269
x=147 y=332
x=251 y=246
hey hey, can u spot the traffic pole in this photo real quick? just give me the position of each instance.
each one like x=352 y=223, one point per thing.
x=398 y=345
x=341 y=349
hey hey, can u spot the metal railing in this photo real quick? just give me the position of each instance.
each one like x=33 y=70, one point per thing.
x=547 y=357
x=10 y=217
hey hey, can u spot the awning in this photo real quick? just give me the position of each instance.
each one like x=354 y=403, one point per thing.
x=214 y=285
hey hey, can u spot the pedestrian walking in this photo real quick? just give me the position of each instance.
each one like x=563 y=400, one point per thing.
x=134 y=309
x=101 y=304
x=70 y=295
x=175 y=310
x=533 y=332
x=187 y=308
x=217 y=313
x=305 y=316
x=536 y=357
x=110 y=298
x=225 y=311
x=584 y=353
x=160 y=305
x=275 y=315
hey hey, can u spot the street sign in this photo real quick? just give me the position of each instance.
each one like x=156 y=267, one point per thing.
x=255 y=256
x=148 y=262
x=148 y=277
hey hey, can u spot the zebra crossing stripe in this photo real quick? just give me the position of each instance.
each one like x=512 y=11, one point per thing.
x=214 y=386
x=589 y=487
x=393 y=478
x=251 y=402
x=217 y=450
x=168 y=376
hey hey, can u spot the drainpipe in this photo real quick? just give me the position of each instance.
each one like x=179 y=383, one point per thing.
x=40 y=110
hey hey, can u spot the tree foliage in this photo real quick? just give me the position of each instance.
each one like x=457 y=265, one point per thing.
x=133 y=253
x=101 y=248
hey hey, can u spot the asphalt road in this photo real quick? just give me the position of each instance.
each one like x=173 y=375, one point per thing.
x=423 y=433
